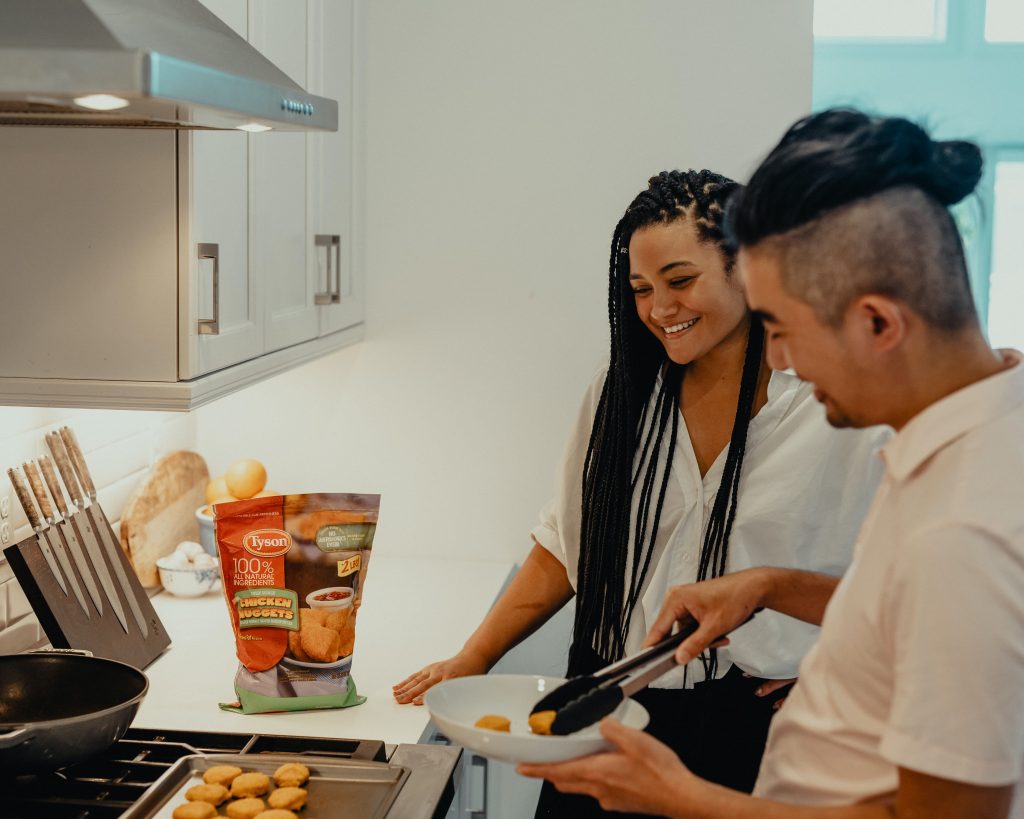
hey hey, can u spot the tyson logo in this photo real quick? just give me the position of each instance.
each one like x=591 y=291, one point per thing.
x=267 y=542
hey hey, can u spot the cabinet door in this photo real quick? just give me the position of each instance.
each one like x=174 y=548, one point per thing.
x=215 y=190
x=278 y=247
x=333 y=61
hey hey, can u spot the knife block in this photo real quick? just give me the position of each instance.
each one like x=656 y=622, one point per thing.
x=65 y=624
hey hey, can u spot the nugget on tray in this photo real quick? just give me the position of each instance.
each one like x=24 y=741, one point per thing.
x=288 y=798
x=246 y=808
x=194 y=810
x=276 y=814
x=221 y=775
x=214 y=794
x=291 y=774
x=250 y=784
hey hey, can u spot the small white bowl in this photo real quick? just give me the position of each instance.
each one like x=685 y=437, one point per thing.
x=455 y=705
x=207 y=534
x=333 y=605
x=188 y=582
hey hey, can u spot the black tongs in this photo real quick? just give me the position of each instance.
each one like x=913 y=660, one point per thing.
x=586 y=699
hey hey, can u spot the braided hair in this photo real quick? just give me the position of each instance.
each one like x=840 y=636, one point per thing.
x=635 y=431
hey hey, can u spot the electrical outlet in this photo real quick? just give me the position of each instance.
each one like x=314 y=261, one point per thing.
x=5 y=533
x=5 y=507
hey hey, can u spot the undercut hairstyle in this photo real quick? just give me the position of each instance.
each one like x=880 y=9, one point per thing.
x=629 y=454
x=851 y=204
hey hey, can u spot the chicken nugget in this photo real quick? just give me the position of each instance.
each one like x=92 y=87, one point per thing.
x=288 y=798
x=246 y=808
x=291 y=775
x=312 y=617
x=276 y=814
x=320 y=643
x=250 y=784
x=214 y=794
x=221 y=775
x=338 y=619
x=493 y=722
x=295 y=646
x=194 y=810
x=540 y=723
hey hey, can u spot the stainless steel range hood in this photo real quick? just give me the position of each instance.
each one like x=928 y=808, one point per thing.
x=142 y=63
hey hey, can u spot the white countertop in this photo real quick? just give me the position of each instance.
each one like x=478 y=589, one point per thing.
x=414 y=611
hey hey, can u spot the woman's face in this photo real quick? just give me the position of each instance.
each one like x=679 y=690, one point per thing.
x=682 y=292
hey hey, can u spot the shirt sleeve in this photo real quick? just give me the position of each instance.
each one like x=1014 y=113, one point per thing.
x=545 y=533
x=953 y=615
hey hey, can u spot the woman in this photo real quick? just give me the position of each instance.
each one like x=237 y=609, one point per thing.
x=690 y=458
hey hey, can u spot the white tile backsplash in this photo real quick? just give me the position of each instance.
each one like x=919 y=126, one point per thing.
x=120 y=448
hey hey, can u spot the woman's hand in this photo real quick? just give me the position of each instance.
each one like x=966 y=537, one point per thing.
x=641 y=775
x=769 y=687
x=413 y=687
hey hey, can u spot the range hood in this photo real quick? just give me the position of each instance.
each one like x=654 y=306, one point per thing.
x=142 y=63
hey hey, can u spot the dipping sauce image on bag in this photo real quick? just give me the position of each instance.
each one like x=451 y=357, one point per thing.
x=293 y=568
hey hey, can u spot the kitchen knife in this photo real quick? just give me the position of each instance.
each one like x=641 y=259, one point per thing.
x=76 y=537
x=21 y=490
x=66 y=531
x=36 y=482
x=100 y=524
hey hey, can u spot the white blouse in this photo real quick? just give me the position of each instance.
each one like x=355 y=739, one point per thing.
x=804 y=490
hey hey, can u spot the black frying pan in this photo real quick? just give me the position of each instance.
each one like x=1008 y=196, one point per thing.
x=56 y=709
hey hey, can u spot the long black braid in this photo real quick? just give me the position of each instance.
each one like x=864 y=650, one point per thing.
x=632 y=429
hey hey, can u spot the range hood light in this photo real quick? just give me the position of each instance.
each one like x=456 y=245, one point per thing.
x=102 y=102
x=254 y=127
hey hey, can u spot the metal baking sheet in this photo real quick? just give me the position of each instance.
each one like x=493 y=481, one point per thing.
x=337 y=787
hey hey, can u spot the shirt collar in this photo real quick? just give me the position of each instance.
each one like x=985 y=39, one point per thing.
x=949 y=418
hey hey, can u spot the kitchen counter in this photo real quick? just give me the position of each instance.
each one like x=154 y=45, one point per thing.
x=414 y=611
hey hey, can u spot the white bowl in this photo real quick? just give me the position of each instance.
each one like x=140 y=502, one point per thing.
x=207 y=534
x=334 y=605
x=456 y=704
x=190 y=581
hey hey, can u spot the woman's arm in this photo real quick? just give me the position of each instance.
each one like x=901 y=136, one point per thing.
x=539 y=589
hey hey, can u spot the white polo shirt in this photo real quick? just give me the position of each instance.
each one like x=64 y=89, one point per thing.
x=804 y=490
x=920 y=663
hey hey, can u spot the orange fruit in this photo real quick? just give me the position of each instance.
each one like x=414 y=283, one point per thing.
x=246 y=478
x=216 y=488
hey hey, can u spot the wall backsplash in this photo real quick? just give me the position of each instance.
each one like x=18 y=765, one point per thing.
x=120 y=447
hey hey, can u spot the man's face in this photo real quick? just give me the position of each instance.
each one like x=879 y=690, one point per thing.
x=826 y=357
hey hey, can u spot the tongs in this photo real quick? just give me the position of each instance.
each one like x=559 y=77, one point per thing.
x=586 y=699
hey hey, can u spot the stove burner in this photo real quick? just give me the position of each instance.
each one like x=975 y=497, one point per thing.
x=108 y=784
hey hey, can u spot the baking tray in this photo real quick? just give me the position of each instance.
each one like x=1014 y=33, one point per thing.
x=337 y=787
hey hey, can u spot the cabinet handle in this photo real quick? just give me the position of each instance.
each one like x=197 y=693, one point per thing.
x=331 y=241
x=479 y=762
x=211 y=326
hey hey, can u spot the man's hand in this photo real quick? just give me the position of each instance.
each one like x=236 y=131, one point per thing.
x=719 y=605
x=641 y=775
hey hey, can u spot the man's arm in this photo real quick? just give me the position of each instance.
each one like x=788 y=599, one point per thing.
x=643 y=775
x=722 y=604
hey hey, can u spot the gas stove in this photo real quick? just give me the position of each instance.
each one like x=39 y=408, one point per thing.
x=109 y=784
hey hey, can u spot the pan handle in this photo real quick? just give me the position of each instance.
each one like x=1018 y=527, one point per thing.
x=81 y=652
x=12 y=738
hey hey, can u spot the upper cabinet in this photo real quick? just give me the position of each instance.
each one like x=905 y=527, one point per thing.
x=162 y=269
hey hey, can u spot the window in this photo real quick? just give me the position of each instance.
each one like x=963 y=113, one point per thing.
x=1006 y=285
x=881 y=19
x=1004 y=21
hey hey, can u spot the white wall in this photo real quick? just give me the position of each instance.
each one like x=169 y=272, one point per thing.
x=504 y=140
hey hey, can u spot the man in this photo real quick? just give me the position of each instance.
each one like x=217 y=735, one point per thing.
x=911 y=704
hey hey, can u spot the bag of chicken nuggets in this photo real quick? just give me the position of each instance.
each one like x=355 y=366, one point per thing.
x=293 y=568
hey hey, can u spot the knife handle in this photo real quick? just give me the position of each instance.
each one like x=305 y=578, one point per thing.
x=67 y=435
x=60 y=455
x=35 y=480
x=50 y=476
x=25 y=498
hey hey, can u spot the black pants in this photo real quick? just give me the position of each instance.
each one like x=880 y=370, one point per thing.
x=717 y=728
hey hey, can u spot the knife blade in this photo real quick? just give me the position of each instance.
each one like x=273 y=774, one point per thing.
x=36 y=482
x=99 y=522
x=66 y=531
x=25 y=498
x=80 y=522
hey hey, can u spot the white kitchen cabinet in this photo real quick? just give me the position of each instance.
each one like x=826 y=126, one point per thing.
x=161 y=269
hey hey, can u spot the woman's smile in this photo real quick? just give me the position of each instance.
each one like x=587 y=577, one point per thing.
x=674 y=331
